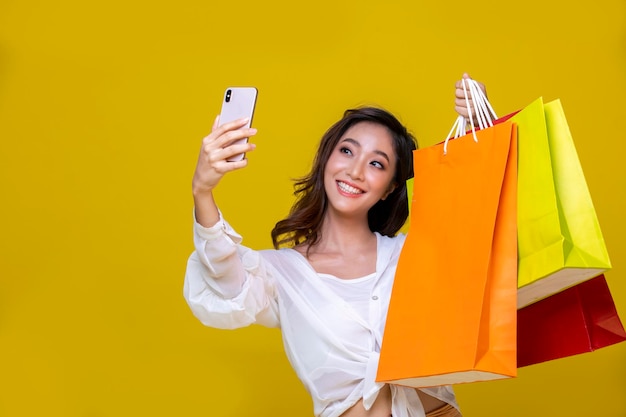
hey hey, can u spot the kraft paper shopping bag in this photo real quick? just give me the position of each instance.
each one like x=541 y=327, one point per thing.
x=452 y=311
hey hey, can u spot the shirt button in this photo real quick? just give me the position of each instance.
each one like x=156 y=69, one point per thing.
x=375 y=297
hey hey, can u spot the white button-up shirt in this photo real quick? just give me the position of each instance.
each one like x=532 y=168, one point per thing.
x=333 y=349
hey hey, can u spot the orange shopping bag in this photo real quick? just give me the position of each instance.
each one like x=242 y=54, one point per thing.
x=452 y=313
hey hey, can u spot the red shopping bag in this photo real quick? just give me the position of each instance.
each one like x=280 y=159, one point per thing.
x=577 y=320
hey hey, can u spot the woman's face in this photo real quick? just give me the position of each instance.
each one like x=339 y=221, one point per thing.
x=360 y=169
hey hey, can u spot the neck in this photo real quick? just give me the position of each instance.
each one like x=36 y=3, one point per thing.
x=344 y=232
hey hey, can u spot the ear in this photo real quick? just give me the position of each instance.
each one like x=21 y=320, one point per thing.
x=392 y=187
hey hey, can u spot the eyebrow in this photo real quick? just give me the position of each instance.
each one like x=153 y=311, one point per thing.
x=357 y=144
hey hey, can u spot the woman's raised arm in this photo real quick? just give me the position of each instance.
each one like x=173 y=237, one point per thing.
x=213 y=164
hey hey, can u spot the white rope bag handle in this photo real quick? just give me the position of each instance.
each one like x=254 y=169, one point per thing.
x=485 y=115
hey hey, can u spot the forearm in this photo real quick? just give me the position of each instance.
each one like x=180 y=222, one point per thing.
x=205 y=208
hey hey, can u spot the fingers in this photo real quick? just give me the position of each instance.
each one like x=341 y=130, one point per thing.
x=218 y=130
x=459 y=93
x=463 y=96
x=216 y=155
x=462 y=110
x=228 y=133
x=213 y=161
x=227 y=141
x=223 y=143
x=461 y=103
x=218 y=160
x=459 y=83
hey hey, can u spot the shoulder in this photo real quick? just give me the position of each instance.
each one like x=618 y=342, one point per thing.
x=279 y=256
x=392 y=242
x=389 y=248
x=286 y=265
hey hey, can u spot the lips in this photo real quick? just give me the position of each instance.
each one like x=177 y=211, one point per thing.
x=349 y=189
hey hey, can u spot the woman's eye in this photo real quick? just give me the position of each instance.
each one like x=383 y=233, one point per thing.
x=378 y=164
x=345 y=150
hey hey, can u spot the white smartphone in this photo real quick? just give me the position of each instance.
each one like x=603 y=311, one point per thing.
x=238 y=102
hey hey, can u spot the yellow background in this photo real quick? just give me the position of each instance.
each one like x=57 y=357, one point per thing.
x=102 y=109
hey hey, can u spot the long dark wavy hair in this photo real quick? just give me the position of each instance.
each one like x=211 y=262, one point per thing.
x=386 y=217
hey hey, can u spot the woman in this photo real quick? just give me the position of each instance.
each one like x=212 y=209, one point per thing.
x=329 y=285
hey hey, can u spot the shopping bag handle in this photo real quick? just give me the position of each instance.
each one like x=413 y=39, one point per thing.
x=485 y=115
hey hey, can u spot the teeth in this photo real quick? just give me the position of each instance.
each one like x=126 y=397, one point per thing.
x=349 y=189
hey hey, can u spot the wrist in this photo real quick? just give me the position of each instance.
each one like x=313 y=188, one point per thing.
x=200 y=190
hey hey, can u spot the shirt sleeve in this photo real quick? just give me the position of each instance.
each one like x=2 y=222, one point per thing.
x=226 y=284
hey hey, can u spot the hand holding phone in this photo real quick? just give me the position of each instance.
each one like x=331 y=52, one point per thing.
x=238 y=102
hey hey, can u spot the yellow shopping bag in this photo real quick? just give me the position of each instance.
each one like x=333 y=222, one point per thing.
x=560 y=243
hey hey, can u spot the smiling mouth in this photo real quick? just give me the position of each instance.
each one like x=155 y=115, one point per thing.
x=348 y=188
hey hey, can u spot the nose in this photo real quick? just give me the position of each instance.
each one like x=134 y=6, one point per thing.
x=355 y=170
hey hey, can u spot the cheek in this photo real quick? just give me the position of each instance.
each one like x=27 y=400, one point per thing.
x=333 y=165
x=329 y=174
x=386 y=179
